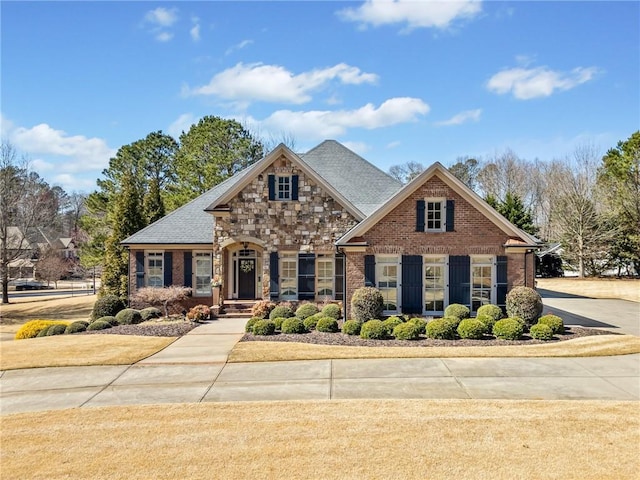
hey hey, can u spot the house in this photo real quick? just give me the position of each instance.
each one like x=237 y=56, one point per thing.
x=319 y=225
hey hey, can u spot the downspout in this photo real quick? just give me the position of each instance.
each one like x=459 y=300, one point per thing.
x=344 y=282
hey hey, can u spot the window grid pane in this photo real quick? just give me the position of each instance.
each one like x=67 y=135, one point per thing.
x=288 y=278
x=387 y=275
x=434 y=294
x=434 y=215
x=284 y=188
x=203 y=274
x=155 y=277
x=324 y=277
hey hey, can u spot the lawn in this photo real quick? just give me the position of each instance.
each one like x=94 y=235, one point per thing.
x=622 y=288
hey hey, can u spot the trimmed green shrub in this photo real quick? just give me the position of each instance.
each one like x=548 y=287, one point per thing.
x=488 y=320
x=199 y=313
x=56 y=330
x=441 y=329
x=327 y=325
x=262 y=308
x=458 y=311
x=128 y=316
x=32 y=328
x=99 y=325
x=332 y=310
x=248 y=327
x=553 y=321
x=407 y=331
x=264 y=327
x=293 y=325
x=306 y=310
x=351 y=327
x=508 y=329
x=524 y=302
x=420 y=322
x=280 y=311
x=107 y=305
x=493 y=311
x=366 y=303
x=310 y=322
x=43 y=332
x=109 y=319
x=150 y=313
x=540 y=331
x=453 y=321
x=278 y=322
x=76 y=327
x=391 y=323
x=471 y=328
x=374 y=330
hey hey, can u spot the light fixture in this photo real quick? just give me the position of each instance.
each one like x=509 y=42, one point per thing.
x=245 y=245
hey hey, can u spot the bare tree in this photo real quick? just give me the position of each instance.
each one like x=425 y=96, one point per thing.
x=51 y=267
x=167 y=297
x=406 y=172
x=506 y=173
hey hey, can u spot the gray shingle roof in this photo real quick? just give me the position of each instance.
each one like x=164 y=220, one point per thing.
x=360 y=182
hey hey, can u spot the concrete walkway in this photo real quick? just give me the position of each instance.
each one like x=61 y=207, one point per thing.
x=193 y=369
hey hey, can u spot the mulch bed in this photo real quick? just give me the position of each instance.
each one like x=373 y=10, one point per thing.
x=149 y=329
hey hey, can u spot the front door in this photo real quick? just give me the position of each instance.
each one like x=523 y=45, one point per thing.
x=246 y=278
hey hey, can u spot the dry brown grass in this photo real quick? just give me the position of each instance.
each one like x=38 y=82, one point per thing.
x=625 y=289
x=599 y=345
x=22 y=310
x=393 y=439
x=79 y=350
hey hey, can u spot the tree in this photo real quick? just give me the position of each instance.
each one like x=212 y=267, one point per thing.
x=52 y=267
x=406 y=172
x=167 y=297
x=211 y=151
x=513 y=209
x=466 y=169
x=25 y=204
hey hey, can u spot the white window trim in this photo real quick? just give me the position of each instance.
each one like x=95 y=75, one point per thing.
x=443 y=214
x=425 y=261
x=331 y=259
x=494 y=287
x=277 y=188
x=288 y=257
x=147 y=254
x=194 y=271
x=398 y=281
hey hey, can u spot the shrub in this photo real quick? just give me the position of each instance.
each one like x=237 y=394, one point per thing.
x=441 y=329
x=489 y=310
x=280 y=311
x=43 y=332
x=524 y=302
x=553 y=321
x=471 y=328
x=332 y=310
x=458 y=311
x=391 y=323
x=420 y=322
x=32 y=328
x=453 y=321
x=57 y=329
x=150 y=313
x=76 y=327
x=262 y=309
x=111 y=320
x=366 y=303
x=128 y=316
x=168 y=297
x=327 y=325
x=306 y=310
x=264 y=327
x=541 y=331
x=99 y=325
x=199 y=313
x=278 y=322
x=351 y=327
x=488 y=320
x=407 y=331
x=508 y=329
x=310 y=322
x=250 y=323
x=374 y=330
x=107 y=305
x=293 y=325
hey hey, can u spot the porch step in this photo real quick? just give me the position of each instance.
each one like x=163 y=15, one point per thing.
x=238 y=308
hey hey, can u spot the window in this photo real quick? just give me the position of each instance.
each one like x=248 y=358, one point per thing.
x=202 y=269
x=324 y=276
x=435 y=284
x=289 y=276
x=387 y=279
x=283 y=188
x=481 y=281
x=155 y=270
x=435 y=214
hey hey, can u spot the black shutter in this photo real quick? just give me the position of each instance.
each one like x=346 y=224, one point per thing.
x=450 y=212
x=306 y=276
x=369 y=271
x=274 y=290
x=139 y=269
x=420 y=207
x=168 y=269
x=188 y=269
x=272 y=187
x=501 y=281
x=412 y=284
x=294 y=187
x=339 y=277
x=460 y=280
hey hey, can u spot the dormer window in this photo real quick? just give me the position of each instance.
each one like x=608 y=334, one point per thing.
x=283 y=184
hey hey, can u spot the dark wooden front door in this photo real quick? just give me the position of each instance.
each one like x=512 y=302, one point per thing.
x=247 y=278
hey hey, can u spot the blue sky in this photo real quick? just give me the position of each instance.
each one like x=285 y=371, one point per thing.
x=395 y=81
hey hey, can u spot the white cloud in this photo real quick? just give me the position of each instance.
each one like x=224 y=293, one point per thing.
x=162 y=17
x=462 y=117
x=195 y=30
x=273 y=83
x=238 y=46
x=181 y=124
x=318 y=124
x=359 y=147
x=164 y=36
x=394 y=144
x=415 y=14
x=525 y=84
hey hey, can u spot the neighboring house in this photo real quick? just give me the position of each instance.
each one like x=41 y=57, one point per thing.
x=319 y=225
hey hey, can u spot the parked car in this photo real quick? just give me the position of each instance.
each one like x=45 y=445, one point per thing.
x=28 y=284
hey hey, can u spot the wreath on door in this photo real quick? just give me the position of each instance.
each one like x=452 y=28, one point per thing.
x=246 y=266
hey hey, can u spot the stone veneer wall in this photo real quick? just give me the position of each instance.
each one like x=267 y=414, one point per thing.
x=310 y=224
